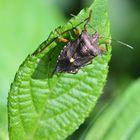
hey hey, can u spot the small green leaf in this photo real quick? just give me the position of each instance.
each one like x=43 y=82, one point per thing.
x=43 y=105
x=121 y=119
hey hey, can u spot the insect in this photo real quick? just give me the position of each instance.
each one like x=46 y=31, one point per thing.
x=79 y=52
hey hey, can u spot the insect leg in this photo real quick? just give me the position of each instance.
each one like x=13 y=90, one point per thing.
x=74 y=31
x=89 y=18
x=106 y=46
x=77 y=32
x=62 y=39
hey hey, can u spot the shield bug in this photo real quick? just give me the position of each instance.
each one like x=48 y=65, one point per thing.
x=79 y=52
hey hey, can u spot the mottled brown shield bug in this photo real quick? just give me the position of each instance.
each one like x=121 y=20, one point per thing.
x=79 y=52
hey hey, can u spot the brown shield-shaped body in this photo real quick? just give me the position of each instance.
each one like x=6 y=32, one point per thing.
x=78 y=53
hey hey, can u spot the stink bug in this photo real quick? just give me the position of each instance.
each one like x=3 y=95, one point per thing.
x=79 y=52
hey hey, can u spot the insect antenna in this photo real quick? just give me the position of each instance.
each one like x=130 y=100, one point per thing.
x=112 y=39
x=120 y=42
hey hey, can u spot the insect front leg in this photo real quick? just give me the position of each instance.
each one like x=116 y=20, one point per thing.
x=62 y=39
x=106 y=46
x=77 y=31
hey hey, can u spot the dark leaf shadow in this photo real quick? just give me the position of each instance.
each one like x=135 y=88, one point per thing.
x=47 y=64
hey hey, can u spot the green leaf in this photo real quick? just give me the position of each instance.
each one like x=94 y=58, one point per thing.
x=121 y=119
x=43 y=105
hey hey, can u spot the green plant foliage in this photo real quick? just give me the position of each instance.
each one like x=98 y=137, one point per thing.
x=44 y=105
x=121 y=119
x=23 y=24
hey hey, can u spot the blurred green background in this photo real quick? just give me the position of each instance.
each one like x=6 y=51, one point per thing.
x=25 y=24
